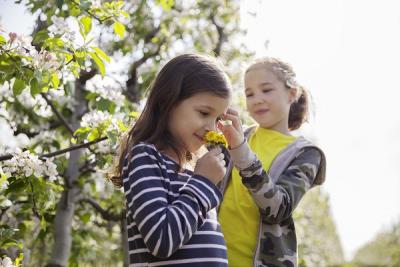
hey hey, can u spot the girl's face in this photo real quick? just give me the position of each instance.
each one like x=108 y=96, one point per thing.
x=193 y=117
x=268 y=99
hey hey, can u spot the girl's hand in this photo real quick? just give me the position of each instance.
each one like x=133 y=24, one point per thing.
x=211 y=165
x=234 y=132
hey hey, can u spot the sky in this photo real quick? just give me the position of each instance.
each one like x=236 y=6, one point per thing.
x=347 y=53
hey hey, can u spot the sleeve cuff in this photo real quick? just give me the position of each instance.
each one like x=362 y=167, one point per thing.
x=242 y=156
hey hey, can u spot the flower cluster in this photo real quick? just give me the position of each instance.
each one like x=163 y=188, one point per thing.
x=61 y=28
x=215 y=138
x=6 y=262
x=107 y=88
x=22 y=46
x=96 y=118
x=26 y=164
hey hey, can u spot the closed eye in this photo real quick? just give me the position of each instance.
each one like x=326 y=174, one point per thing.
x=204 y=113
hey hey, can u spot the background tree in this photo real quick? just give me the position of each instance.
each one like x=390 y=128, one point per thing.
x=383 y=250
x=68 y=96
x=319 y=242
x=69 y=90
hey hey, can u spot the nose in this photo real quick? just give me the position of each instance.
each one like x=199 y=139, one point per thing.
x=258 y=99
x=211 y=125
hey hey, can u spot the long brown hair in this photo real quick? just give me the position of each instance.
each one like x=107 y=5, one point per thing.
x=298 y=113
x=181 y=78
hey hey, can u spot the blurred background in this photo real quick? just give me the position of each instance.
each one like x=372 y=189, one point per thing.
x=346 y=53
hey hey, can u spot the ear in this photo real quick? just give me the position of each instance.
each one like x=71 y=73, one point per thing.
x=293 y=95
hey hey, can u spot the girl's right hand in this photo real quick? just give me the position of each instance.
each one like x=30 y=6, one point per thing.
x=211 y=165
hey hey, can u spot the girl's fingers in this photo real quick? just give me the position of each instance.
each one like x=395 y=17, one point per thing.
x=232 y=111
x=235 y=120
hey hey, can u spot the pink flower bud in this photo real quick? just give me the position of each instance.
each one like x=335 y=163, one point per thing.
x=47 y=56
x=13 y=36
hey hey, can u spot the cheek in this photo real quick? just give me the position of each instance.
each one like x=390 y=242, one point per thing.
x=248 y=102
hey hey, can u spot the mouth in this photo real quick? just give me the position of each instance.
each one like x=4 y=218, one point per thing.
x=199 y=137
x=261 y=111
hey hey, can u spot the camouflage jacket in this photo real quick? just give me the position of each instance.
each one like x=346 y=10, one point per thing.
x=297 y=168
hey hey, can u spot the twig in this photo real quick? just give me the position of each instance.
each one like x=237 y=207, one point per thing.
x=58 y=114
x=105 y=214
x=62 y=151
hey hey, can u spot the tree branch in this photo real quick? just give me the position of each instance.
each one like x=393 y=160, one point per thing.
x=62 y=151
x=105 y=214
x=131 y=83
x=221 y=36
x=91 y=14
x=58 y=114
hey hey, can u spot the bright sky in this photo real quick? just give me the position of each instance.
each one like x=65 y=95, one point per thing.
x=348 y=54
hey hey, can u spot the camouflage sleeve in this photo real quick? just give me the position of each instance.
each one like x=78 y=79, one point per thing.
x=277 y=201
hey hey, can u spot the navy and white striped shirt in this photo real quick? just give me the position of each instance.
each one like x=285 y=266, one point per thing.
x=171 y=217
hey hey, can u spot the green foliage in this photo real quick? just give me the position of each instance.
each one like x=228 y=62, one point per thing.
x=47 y=99
x=383 y=250
x=319 y=243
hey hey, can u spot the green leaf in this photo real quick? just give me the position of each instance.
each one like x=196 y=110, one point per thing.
x=86 y=218
x=121 y=126
x=18 y=86
x=94 y=134
x=106 y=105
x=167 y=4
x=2 y=40
x=82 y=132
x=55 y=81
x=134 y=114
x=99 y=63
x=112 y=136
x=41 y=36
x=86 y=22
x=35 y=87
x=59 y=3
x=101 y=53
x=119 y=29
x=125 y=14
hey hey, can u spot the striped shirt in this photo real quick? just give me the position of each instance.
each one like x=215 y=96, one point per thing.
x=171 y=216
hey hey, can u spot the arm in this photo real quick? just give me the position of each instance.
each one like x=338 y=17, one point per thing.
x=165 y=225
x=277 y=201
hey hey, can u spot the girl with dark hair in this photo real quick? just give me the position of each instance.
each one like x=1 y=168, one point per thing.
x=171 y=215
x=273 y=169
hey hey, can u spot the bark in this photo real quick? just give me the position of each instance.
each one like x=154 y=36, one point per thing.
x=66 y=206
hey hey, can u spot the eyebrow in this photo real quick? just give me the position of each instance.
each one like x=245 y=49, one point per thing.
x=206 y=106
x=261 y=84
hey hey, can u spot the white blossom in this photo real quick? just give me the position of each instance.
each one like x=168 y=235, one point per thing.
x=94 y=118
x=5 y=203
x=26 y=164
x=107 y=88
x=45 y=60
x=24 y=46
x=6 y=262
x=105 y=147
x=61 y=28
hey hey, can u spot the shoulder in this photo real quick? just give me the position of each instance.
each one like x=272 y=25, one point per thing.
x=310 y=154
x=144 y=152
x=248 y=130
x=145 y=149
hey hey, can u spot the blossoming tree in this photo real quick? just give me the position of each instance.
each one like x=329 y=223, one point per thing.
x=66 y=93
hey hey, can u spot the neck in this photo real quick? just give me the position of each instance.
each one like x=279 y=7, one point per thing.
x=280 y=127
x=174 y=156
